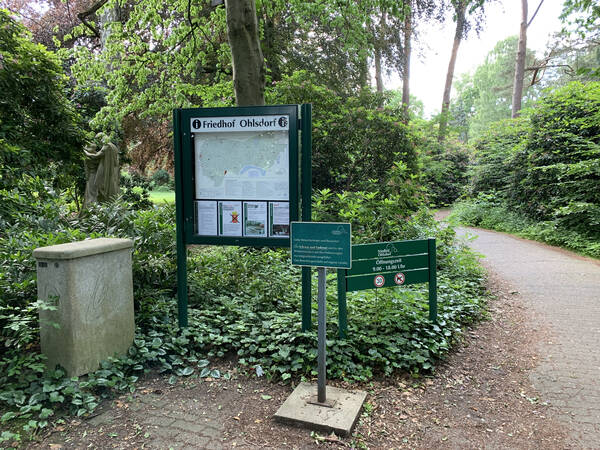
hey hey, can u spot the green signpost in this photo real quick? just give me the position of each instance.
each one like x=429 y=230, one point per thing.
x=321 y=245
x=240 y=179
x=318 y=244
x=388 y=264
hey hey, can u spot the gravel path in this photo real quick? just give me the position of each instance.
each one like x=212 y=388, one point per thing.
x=563 y=291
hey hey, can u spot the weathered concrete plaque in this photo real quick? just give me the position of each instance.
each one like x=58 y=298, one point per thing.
x=301 y=409
x=90 y=283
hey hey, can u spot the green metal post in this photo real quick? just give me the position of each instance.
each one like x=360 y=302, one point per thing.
x=342 y=309
x=306 y=196
x=182 y=298
x=431 y=251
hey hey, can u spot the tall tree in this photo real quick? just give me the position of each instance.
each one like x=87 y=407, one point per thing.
x=517 y=96
x=246 y=54
x=460 y=7
x=485 y=96
x=408 y=30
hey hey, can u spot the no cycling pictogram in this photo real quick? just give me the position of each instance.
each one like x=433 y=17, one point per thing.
x=379 y=281
x=399 y=278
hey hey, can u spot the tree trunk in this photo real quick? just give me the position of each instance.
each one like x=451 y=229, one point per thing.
x=406 y=61
x=461 y=8
x=520 y=63
x=378 y=37
x=107 y=17
x=378 y=74
x=246 y=54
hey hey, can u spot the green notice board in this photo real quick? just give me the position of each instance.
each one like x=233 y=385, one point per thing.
x=388 y=264
x=318 y=244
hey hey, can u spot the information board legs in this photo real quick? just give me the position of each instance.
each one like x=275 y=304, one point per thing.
x=342 y=308
x=306 y=299
x=182 y=297
x=432 y=280
x=322 y=337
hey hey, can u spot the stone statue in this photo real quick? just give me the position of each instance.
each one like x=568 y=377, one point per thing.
x=101 y=170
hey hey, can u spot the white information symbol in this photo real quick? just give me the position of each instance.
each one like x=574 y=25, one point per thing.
x=399 y=278
x=379 y=281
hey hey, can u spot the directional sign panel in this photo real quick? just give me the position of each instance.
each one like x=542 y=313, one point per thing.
x=318 y=244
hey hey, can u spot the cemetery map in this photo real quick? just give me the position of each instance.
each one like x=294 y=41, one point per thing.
x=242 y=165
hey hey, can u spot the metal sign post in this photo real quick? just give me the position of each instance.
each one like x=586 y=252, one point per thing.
x=322 y=337
x=321 y=245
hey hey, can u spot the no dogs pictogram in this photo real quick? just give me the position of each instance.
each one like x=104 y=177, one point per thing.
x=399 y=278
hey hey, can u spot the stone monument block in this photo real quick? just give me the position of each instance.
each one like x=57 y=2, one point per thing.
x=90 y=283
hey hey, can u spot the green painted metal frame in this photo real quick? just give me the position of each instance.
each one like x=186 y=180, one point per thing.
x=300 y=190
x=306 y=199
x=420 y=266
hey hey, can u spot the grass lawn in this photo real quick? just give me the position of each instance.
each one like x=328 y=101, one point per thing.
x=159 y=197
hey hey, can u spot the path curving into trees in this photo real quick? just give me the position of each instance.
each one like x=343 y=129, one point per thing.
x=562 y=293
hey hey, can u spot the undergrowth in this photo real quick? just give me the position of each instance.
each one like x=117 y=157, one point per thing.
x=244 y=302
x=487 y=212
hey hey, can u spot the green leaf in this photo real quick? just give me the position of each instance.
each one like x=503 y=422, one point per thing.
x=266 y=397
x=55 y=397
x=7 y=416
x=186 y=371
x=46 y=413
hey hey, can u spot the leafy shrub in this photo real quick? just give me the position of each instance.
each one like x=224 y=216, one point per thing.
x=135 y=190
x=488 y=211
x=545 y=167
x=443 y=167
x=564 y=158
x=355 y=139
x=39 y=125
x=161 y=178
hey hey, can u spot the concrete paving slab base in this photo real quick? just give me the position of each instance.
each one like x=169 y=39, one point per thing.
x=340 y=418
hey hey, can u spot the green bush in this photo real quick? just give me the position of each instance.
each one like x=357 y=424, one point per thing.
x=443 y=166
x=39 y=126
x=355 y=139
x=545 y=167
x=161 y=178
x=564 y=158
x=488 y=211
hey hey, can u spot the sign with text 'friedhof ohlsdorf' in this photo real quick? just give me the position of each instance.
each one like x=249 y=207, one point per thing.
x=243 y=175
x=239 y=180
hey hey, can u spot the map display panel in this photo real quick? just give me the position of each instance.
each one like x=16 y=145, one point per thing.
x=242 y=163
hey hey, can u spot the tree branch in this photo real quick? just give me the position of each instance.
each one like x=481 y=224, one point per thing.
x=535 y=13
x=83 y=16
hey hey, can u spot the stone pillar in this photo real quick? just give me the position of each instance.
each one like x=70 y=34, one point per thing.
x=90 y=283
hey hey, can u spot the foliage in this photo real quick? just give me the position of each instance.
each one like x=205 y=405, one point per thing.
x=38 y=126
x=135 y=190
x=244 y=301
x=585 y=14
x=355 y=139
x=443 y=166
x=545 y=168
x=488 y=211
x=563 y=152
x=485 y=96
x=161 y=178
x=499 y=153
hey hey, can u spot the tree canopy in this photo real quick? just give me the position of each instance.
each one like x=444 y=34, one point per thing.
x=38 y=125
